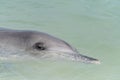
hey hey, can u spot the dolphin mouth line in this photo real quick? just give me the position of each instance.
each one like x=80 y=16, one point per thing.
x=86 y=59
x=59 y=55
x=70 y=57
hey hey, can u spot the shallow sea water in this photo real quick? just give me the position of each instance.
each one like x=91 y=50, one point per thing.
x=92 y=26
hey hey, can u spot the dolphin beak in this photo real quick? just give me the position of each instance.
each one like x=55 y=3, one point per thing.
x=85 y=59
x=79 y=58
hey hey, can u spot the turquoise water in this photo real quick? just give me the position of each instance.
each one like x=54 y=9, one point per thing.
x=92 y=26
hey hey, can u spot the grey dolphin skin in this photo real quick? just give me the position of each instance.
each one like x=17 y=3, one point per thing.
x=41 y=45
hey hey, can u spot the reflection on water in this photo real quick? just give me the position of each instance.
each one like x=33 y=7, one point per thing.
x=91 y=26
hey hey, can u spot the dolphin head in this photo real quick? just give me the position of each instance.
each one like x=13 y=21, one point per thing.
x=43 y=45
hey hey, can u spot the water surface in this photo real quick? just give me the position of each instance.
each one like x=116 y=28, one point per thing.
x=91 y=26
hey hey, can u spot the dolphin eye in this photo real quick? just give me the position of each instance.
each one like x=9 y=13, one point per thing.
x=39 y=46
